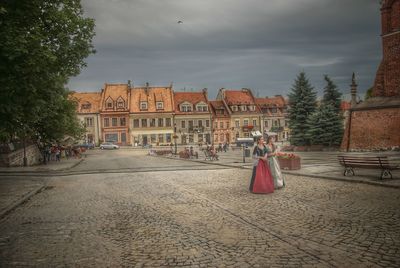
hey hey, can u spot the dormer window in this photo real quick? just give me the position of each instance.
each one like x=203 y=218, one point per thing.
x=243 y=108
x=143 y=105
x=109 y=103
x=86 y=106
x=202 y=107
x=252 y=108
x=160 y=105
x=186 y=107
x=120 y=103
x=234 y=108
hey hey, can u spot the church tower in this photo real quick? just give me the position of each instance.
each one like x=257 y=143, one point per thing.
x=387 y=81
x=375 y=123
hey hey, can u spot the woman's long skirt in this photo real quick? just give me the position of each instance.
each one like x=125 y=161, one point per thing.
x=261 y=179
x=279 y=180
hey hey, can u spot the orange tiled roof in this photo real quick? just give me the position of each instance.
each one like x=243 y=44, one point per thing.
x=237 y=97
x=345 y=105
x=218 y=105
x=90 y=99
x=114 y=91
x=277 y=101
x=151 y=95
x=191 y=97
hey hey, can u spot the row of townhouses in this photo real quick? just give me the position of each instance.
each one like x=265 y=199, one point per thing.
x=145 y=115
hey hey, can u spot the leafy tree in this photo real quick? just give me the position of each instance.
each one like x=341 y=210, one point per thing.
x=326 y=126
x=302 y=103
x=368 y=93
x=42 y=44
x=331 y=94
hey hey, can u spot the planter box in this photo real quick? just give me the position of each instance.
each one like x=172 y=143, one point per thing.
x=289 y=163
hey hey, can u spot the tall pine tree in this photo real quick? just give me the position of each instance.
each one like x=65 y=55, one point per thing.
x=331 y=94
x=302 y=103
x=326 y=126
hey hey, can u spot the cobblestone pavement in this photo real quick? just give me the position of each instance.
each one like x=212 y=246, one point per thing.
x=201 y=218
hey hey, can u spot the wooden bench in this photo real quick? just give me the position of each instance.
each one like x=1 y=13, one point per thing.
x=367 y=162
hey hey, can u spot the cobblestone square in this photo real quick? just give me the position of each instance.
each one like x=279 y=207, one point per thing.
x=174 y=213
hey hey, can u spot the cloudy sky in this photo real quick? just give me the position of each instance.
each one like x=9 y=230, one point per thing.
x=257 y=44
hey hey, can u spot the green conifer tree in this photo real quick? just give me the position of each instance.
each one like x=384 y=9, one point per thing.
x=326 y=126
x=331 y=94
x=302 y=103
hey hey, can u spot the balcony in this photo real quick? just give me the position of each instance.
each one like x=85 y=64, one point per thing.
x=248 y=128
x=196 y=129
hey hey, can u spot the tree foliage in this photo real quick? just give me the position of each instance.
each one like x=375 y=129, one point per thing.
x=302 y=103
x=332 y=95
x=326 y=126
x=42 y=44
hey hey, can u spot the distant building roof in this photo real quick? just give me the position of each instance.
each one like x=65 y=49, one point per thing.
x=190 y=97
x=88 y=102
x=151 y=95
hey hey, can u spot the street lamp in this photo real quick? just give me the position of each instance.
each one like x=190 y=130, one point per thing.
x=176 y=146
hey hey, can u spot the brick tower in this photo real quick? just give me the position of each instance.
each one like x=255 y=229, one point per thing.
x=387 y=81
x=375 y=123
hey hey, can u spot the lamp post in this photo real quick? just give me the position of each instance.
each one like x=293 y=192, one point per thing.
x=175 y=137
x=176 y=146
x=244 y=156
x=25 y=159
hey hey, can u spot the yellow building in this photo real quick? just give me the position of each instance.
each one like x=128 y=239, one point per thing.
x=88 y=113
x=151 y=115
x=244 y=113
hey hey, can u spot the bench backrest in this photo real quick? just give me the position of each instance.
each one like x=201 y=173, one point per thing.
x=363 y=161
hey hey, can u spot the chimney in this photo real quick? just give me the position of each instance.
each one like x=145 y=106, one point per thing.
x=146 y=88
x=353 y=91
x=129 y=84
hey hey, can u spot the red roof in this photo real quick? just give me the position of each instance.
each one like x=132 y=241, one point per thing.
x=192 y=98
x=238 y=97
x=345 y=105
x=218 y=105
x=277 y=101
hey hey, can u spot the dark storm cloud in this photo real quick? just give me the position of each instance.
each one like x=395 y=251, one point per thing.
x=232 y=43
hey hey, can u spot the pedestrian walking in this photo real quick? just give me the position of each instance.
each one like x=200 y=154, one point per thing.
x=57 y=153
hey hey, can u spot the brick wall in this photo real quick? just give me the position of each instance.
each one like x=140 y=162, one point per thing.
x=387 y=80
x=373 y=129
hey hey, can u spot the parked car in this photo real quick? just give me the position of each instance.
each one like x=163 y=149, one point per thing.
x=85 y=145
x=108 y=145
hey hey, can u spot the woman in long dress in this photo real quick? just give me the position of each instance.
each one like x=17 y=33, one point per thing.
x=279 y=180
x=261 y=179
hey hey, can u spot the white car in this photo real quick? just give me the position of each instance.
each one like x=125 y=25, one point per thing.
x=108 y=145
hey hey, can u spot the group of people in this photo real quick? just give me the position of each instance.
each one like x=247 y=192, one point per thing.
x=267 y=175
x=54 y=152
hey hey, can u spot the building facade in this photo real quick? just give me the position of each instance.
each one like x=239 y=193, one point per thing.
x=274 y=117
x=147 y=115
x=221 y=122
x=114 y=113
x=243 y=111
x=364 y=130
x=88 y=113
x=151 y=115
x=192 y=120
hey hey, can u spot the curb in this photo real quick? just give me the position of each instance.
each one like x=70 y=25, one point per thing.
x=301 y=174
x=341 y=179
x=4 y=212
x=40 y=172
